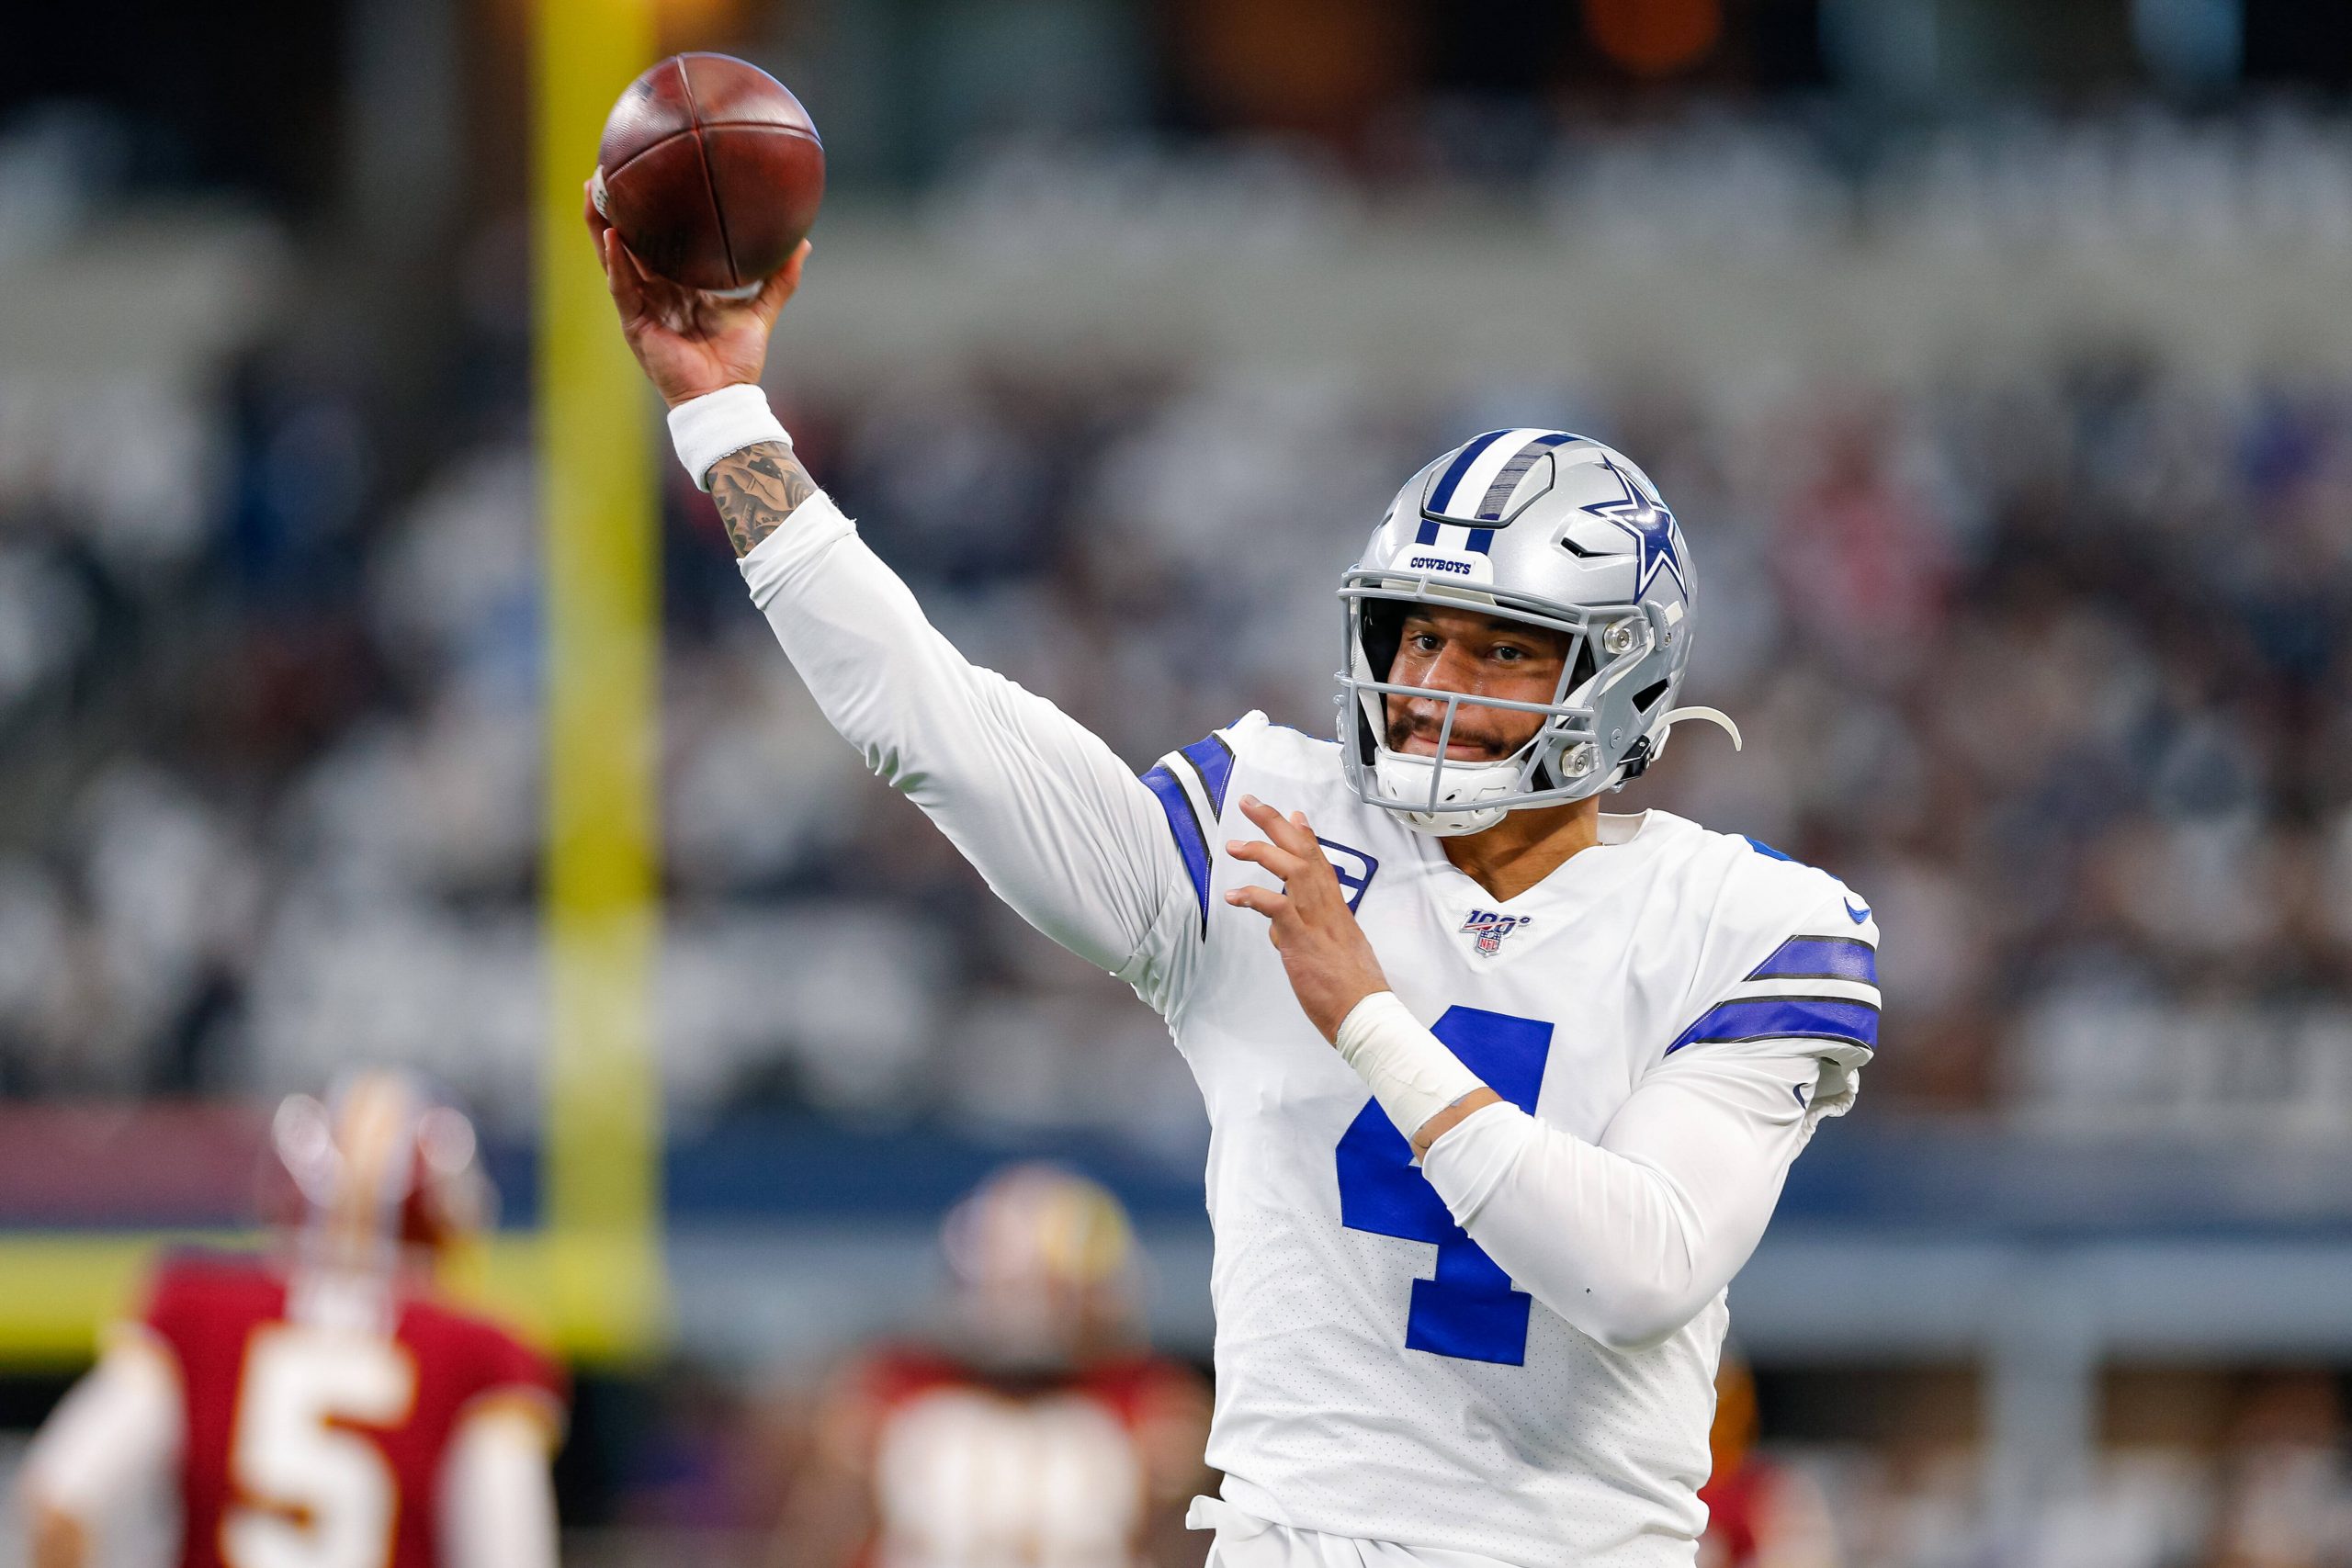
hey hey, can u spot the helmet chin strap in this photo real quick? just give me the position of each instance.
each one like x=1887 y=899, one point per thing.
x=1651 y=746
x=1458 y=809
x=1713 y=716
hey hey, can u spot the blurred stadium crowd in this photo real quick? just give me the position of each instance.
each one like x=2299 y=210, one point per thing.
x=2057 y=666
x=2054 y=665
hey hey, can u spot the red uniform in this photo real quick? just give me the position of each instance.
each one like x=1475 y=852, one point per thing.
x=1735 y=1504
x=970 y=1468
x=321 y=1446
x=1760 y=1512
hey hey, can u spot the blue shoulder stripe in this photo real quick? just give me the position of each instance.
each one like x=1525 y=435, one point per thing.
x=1186 y=824
x=1212 y=760
x=1820 y=958
x=1777 y=1018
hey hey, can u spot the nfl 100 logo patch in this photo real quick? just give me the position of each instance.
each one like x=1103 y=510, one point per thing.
x=1490 y=928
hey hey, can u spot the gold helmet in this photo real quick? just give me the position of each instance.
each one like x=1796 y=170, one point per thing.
x=379 y=1167
x=1044 y=1264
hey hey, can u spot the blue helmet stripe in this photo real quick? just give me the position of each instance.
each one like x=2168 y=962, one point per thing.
x=1784 y=1018
x=1428 y=536
x=1491 y=510
x=1186 y=824
x=1821 y=958
x=1442 y=497
x=1212 y=760
x=1481 y=540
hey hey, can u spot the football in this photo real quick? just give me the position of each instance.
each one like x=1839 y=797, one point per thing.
x=711 y=171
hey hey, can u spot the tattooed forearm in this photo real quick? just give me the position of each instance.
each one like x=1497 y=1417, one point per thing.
x=756 y=490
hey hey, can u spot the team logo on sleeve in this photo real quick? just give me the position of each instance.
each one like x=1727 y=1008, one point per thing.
x=1490 y=929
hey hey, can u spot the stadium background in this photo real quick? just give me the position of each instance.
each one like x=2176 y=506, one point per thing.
x=1996 y=355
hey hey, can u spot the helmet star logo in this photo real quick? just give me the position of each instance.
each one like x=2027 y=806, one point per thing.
x=1656 y=534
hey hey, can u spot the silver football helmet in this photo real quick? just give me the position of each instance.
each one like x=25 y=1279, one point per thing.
x=1549 y=529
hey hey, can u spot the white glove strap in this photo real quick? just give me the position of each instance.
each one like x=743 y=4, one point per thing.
x=707 y=428
x=1412 y=1073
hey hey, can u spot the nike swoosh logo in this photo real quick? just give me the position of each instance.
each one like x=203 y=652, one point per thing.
x=1800 y=1094
x=1857 y=916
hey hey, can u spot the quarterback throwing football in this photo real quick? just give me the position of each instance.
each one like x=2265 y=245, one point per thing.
x=1470 y=1264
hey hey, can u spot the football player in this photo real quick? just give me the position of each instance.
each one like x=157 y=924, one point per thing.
x=1509 y=1097
x=1042 y=1432
x=320 y=1409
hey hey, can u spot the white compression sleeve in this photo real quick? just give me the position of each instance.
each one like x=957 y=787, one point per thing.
x=1630 y=1238
x=1058 y=825
x=498 y=1497
x=109 y=1449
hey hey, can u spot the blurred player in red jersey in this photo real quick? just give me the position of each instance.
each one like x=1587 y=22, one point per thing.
x=1760 y=1515
x=1041 y=1434
x=319 y=1409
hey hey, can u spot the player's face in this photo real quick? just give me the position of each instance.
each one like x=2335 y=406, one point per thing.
x=1479 y=656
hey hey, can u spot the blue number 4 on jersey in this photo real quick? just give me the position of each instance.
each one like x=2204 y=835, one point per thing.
x=1468 y=1311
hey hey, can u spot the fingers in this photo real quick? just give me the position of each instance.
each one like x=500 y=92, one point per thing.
x=1289 y=846
x=1263 y=814
x=596 y=224
x=1265 y=900
x=652 y=294
x=1281 y=918
x=782 y=285
x=1281 y=862
x=1291 y=852
x=622 y=279
x=1289 y=837
x=1291 y=832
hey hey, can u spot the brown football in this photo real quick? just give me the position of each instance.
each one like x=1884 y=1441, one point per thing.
x=711 y=171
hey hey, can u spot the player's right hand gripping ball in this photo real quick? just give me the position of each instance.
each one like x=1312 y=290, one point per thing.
x=711 y=171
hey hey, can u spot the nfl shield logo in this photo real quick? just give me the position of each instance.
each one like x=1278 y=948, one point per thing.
x=1490 y=928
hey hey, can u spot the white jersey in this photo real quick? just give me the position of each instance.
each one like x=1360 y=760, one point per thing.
x=1379 y=1375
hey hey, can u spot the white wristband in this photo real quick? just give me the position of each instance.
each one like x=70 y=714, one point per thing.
x=707 y=428
x=1412 y=1073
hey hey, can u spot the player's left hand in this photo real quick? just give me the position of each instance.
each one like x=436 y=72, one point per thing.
x=1325 y=954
